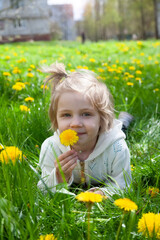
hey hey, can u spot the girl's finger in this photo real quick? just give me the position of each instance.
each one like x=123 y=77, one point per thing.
x=67 y=154
x=68 y=159
x=69 y=166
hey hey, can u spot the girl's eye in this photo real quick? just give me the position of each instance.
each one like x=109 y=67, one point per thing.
x=86 y=114
x=66 y=115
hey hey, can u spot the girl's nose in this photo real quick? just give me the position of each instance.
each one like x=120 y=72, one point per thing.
x=75 y=122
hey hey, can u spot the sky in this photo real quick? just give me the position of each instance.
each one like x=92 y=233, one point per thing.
x=78 y=6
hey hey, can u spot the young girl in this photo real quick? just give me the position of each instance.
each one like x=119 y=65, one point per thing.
x=101 y=157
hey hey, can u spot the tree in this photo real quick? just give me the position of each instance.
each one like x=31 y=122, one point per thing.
x=155 y=4
x=120 y=18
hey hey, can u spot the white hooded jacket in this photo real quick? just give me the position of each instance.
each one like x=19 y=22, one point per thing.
x=109 y=163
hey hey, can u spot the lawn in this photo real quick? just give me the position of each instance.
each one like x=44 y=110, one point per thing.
x=131 y=70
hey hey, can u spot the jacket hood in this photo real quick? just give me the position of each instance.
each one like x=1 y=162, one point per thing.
x=105 y=140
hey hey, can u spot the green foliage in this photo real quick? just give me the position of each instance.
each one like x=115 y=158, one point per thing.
x=131 y=71
x=119 y=19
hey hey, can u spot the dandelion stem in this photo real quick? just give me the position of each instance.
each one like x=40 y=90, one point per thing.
x=120 y=225
x=89 y=212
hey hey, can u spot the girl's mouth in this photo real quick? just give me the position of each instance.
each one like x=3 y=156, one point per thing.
x=80 y=134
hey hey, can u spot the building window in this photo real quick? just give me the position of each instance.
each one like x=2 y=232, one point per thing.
x=19 y=23
x=17 y=3
x=1 y=25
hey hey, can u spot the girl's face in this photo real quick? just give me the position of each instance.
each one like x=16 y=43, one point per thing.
x=75 y=111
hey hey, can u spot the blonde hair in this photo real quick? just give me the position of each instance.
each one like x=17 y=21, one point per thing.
x=82 y=81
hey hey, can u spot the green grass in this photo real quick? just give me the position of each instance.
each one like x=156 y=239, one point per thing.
x=26 y=212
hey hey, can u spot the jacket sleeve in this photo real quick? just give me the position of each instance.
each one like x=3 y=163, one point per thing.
x=46 y=163
x=119 y=174
x=49 y=152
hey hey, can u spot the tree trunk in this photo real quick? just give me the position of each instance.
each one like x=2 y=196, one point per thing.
x=156 y=18
x=142 y=20
x=120 y=24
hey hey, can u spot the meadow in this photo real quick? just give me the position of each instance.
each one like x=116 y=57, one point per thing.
x=131 y=70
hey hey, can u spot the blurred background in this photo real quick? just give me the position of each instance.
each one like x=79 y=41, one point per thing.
x=80 y=20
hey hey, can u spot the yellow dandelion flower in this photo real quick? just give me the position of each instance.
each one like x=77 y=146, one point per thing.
x=79 y=67
x=138 y=79
x=32 y=66
x=138 y=72
x=27 y=83
x=29 y=99
x=30 y=75
x=43 y=61
x=118 y=71
x=126 y=49
x=105 y=64
x=29 y=69
x=72 y=70
x=131 y=68
x=142 y=53
x=47 y=237
x=42 y=86
x=89 y=197
x=126 y=204
x=121 y=68
x=17 y=87
x=132 y=167
x=100 y=70
x=139 y=43
x=141 y=65
x=10 y=153
x=110 y=69
x=152 y=191
x=130 y=76
x=7 y=57
x=20 y=84
x=1 y=147
x=92 y=60
x=24 y=108
x=156 y=90
x=130 y=83
x=16 y=70
x=138 y=61
x=85 y=67
x=126 y=73
x=15 y=54
x=149 y=224
x=6 y=74
x=22 y=60
x=69 y=137
x=149 y=58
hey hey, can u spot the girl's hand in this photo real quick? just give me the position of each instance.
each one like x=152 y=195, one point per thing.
x=68 y=162
x=95 y=190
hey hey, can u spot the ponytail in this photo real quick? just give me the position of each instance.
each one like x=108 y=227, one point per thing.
x=57 y=71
